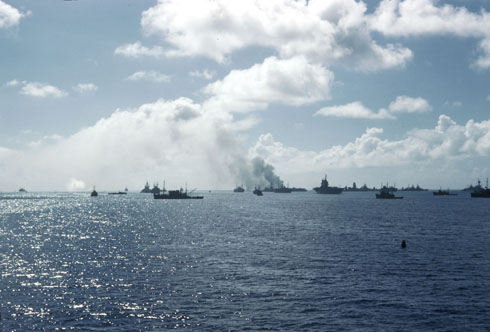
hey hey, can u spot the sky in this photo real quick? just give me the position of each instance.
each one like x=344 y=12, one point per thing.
x=216 y=93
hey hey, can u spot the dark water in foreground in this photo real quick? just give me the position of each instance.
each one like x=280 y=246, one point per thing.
x=283 y=262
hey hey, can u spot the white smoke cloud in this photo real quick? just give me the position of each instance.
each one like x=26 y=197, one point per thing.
x=173 y=140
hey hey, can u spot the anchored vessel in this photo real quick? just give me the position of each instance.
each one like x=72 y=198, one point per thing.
x=441 y=192
x=118 y=193
x=258 y=192
x=239 y=189
x=326 y=189
x=94 y=193
x=385 y=193
x=481 y=192
x=176 y=194
x=283 y=190
x=146 y=189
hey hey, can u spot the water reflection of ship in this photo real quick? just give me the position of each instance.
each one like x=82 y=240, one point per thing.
x=326 y=189
x=386 y=193
x=176 y=194
x=239 y=189
x=481 y=192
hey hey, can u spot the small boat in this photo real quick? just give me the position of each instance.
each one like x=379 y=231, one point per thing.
x=94 y=193
x=22 y=190
x=118 y=193
x=385 y=193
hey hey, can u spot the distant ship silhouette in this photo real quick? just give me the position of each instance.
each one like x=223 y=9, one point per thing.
x=326 y=189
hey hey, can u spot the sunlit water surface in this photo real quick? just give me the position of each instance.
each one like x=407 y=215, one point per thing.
x=283 y=262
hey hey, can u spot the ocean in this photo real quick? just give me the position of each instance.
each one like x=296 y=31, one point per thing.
x=239 y=262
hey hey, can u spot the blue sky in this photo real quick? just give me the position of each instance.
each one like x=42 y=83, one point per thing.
x=114 y=93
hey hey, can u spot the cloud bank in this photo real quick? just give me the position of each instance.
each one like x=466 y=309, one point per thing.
x=327 y=32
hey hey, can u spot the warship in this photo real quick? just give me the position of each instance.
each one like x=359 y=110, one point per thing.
x=146 y=189
x=481 y=192
x=413 y=188
x=385 y=193
x=326 y=189
x=441 y=192
x=258 y=192
x=239 y=189
x=176 y=194
x=282 y=190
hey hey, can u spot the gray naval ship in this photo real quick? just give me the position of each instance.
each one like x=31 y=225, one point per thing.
x=326 y=189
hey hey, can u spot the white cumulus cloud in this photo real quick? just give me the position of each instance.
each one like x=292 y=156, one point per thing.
x=291 y=81
x=150 y=75
x=329 y=32
x=137 y=50
x=85 y=88
x=405 y=104
x=14 y=83
x=42 y=90
x=405 y=18
x=10 y=16
x=354 y=110
x=446 y=144
x=205 y=74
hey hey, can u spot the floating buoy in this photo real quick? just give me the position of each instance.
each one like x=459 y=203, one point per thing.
x=404 y=244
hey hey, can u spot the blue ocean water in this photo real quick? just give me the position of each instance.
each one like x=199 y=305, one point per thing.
x=232 y=262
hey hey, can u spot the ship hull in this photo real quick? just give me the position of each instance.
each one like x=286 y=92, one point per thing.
x=157 y=196
x=482 y=194
x=329 y=191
